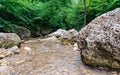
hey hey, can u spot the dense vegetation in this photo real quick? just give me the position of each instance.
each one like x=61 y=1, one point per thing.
x=54 y=14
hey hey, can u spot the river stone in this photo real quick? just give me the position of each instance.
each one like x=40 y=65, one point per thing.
x=99 y=41
x=8 y=40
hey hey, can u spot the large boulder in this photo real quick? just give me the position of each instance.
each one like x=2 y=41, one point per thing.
x=8 y=40
x=99 y=41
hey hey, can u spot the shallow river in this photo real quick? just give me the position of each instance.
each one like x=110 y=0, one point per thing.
x=48 y=57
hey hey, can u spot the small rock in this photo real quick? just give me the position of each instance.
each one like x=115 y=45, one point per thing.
x=4 y=53
x=57 y=33
x=19 y=62
x=14 y=49
x=4 y=62
x=113 y=73
x=27 y=48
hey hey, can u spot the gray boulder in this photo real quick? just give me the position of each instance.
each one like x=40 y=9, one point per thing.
x=66 y=37
x=8 y=40
x=99 y=41
x=69 y=37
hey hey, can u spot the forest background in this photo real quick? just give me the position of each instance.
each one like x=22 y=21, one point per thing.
x=36 y=15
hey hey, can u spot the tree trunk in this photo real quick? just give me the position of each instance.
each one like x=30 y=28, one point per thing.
x=85 y=14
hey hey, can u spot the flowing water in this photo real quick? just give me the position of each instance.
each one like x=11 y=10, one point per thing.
x=47 y=57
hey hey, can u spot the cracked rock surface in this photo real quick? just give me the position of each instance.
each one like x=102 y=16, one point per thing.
x=99 y=41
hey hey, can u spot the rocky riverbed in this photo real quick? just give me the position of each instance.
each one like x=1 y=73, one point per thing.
x=48 y=57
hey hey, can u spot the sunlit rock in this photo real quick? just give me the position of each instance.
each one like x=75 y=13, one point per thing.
x=14 y=49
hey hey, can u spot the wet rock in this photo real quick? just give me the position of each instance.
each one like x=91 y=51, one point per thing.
x=8 y=40
x=99 y=41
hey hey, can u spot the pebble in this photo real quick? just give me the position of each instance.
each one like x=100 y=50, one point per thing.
x=4 y=62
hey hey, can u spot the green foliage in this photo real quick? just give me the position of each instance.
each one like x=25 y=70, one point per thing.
x=55 y=14
x=6 y=26
x=23 y=13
